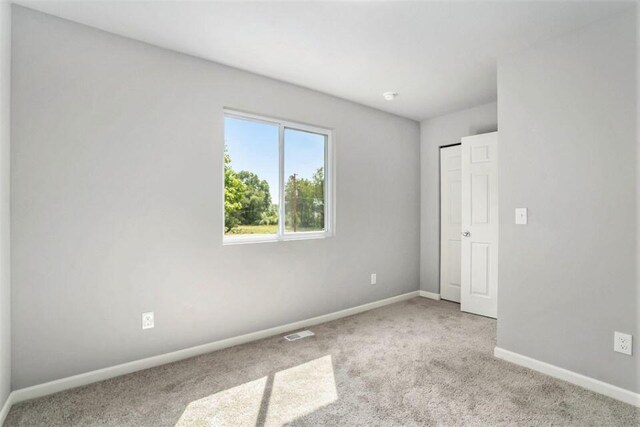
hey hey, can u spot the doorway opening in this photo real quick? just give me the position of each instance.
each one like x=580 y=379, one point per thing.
x=469 y=224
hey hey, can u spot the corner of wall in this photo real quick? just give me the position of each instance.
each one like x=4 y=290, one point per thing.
x=5 y=134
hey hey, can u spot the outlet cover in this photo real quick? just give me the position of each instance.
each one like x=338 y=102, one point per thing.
x=622 y=343
x=147 y=320
x=374 y=279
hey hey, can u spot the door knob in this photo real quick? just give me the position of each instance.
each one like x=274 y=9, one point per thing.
x=466 y=233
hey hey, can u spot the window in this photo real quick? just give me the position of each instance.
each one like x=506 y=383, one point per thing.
x=276 y=180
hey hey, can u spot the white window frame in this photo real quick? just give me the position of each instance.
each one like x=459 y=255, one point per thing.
x=329 y=204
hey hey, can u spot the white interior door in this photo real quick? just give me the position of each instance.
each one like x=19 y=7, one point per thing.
x=450 y=222
x=479 y=280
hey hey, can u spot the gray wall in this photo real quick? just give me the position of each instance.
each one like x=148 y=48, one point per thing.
x=637 y=347
x=434 y=133
x=5 y=264
x=568 y=153
x=116 y=198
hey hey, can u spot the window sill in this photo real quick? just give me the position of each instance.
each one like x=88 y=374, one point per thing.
x=242 y=240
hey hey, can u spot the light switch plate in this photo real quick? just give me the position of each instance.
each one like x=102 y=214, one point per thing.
x=521 y=216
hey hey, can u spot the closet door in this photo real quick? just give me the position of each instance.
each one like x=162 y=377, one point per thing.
x=450 y=222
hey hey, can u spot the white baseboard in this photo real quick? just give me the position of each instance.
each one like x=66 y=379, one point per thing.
x=150 y=362
x=589 y=383
x=5 y=408
x=430 y=295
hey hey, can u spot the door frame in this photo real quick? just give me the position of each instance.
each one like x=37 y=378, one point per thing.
x=440 y=209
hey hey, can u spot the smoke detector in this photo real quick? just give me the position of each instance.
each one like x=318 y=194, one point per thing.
x=390 y=96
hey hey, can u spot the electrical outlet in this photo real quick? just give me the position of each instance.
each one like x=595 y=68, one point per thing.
x=147 y=320
x=373 y=278
x=622 y=343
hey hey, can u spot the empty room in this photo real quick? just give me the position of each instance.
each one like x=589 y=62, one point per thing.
x=319 y=213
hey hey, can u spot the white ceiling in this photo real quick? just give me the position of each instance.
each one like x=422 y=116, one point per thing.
x=439 y=56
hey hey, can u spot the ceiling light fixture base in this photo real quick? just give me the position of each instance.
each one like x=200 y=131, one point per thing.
x=390 y=96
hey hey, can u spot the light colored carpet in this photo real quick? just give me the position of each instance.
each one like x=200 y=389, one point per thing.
x=418 y=362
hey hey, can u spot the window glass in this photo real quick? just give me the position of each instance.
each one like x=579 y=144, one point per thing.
x=304 y=166
x=251 y=175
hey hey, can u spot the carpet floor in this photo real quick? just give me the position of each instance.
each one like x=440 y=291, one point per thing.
x=414 y=363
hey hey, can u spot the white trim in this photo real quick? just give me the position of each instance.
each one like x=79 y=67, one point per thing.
x=6 y=408
x=266 y=238
x=150 y=362
x=282 y=212
x=430 y=295
x=589 y=383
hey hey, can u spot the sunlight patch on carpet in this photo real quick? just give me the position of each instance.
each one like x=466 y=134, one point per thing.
x=273 y=400
x=235 y=406
x=301 y=390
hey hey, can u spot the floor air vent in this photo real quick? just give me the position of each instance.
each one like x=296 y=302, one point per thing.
x=298 y=335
